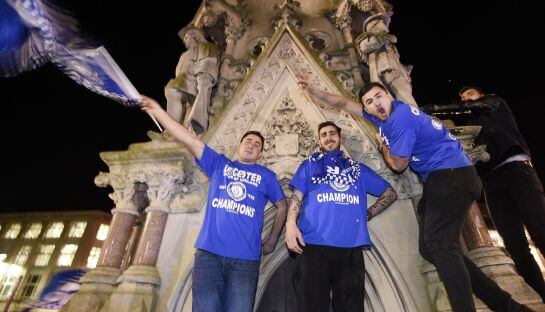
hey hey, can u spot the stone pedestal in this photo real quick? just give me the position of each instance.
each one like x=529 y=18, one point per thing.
x=499 y=267
x=136 y=290
x=98 y=284
x=96 y=287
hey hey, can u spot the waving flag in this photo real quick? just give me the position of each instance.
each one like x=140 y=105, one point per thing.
x=58 y=291
x=34 y=32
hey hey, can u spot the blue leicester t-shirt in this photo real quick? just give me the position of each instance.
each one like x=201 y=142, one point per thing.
x=411 y=133
x=235 y=207
x=334 y=212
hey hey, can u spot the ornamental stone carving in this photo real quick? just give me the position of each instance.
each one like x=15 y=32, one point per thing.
x=162 y=185
x=124 y=190
x=288 y=133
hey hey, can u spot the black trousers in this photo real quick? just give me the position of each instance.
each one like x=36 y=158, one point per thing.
x=445 y=201
x=324 y=270
x=515 y=198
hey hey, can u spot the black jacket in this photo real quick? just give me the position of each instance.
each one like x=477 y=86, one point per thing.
x=499 y=131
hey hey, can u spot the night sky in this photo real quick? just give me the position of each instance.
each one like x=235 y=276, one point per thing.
x=53 y=129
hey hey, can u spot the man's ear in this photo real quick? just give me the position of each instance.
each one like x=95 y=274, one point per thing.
x=364 y=107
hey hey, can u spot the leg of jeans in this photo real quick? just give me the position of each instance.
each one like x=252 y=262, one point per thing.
x=349 y=281
x=486 y=289
x=514 y=196
x=311 y=279
x=240 y=285
x=531 y=205
x=448 y=195
x=208 y=284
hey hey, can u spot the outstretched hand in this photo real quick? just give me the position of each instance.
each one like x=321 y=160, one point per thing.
x=148 y=104
x=304 y=81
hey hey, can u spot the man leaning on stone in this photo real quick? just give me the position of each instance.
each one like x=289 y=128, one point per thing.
x=229 y=245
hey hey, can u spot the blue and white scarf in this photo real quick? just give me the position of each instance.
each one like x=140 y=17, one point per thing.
x=349 y=169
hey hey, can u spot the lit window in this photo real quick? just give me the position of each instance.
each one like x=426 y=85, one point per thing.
x=54 y=230
x=77 y=229
x=13 y=231
x=22 y=255
x=103 y=231
x=31 y=285
x=33 y=231
x=93 y=258
x=45 y=254
x=7 y=284
x=67 y=255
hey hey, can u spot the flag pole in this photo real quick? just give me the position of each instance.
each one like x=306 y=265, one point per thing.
x=155 y=121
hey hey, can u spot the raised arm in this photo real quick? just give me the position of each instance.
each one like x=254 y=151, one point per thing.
x=484 y=104
x=279 y=219
x=334 y=100
x=174 y=128
x=292 y=231
x=396 y=163
x=384 y=201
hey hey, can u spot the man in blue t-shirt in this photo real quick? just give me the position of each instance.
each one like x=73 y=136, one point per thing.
x=330 y=198
x=229 y=246
x=409 y=137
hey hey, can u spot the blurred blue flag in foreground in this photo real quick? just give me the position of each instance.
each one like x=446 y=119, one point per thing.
x=58 y=291
x=34 y=32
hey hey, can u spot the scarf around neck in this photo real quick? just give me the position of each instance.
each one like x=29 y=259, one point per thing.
x=324 y=168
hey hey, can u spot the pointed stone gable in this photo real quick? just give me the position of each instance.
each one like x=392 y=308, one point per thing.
x=270 y=101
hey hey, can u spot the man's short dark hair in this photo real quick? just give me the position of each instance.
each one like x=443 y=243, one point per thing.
x=465 y=88
x=256 y=133
x=329 y=123
x=368 y=86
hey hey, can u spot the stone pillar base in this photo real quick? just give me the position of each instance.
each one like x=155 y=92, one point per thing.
x=136 y=290
x=499 y=267
x=496 y=265
x=96 y=287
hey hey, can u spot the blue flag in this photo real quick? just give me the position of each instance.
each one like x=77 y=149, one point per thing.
x=34 y=32
x=58 y=291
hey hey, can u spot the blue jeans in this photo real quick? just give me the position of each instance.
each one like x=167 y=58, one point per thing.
x=222 y=284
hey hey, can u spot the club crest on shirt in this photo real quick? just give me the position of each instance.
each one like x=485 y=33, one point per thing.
x=436 y=124
x=339 y=186
x=415 y=110
x=236 y=190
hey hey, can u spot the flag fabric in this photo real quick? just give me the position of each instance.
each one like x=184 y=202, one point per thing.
x=58 y=291
x=34 y=32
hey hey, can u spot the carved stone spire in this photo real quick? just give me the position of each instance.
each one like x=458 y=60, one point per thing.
x=288 y=14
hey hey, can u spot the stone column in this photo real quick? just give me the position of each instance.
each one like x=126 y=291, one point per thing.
x=343 y=23
x=475 y=231
x=137 y=286
x=98 y=284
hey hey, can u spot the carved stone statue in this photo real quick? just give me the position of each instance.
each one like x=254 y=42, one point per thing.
x=379 y=52
x=188 y=95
